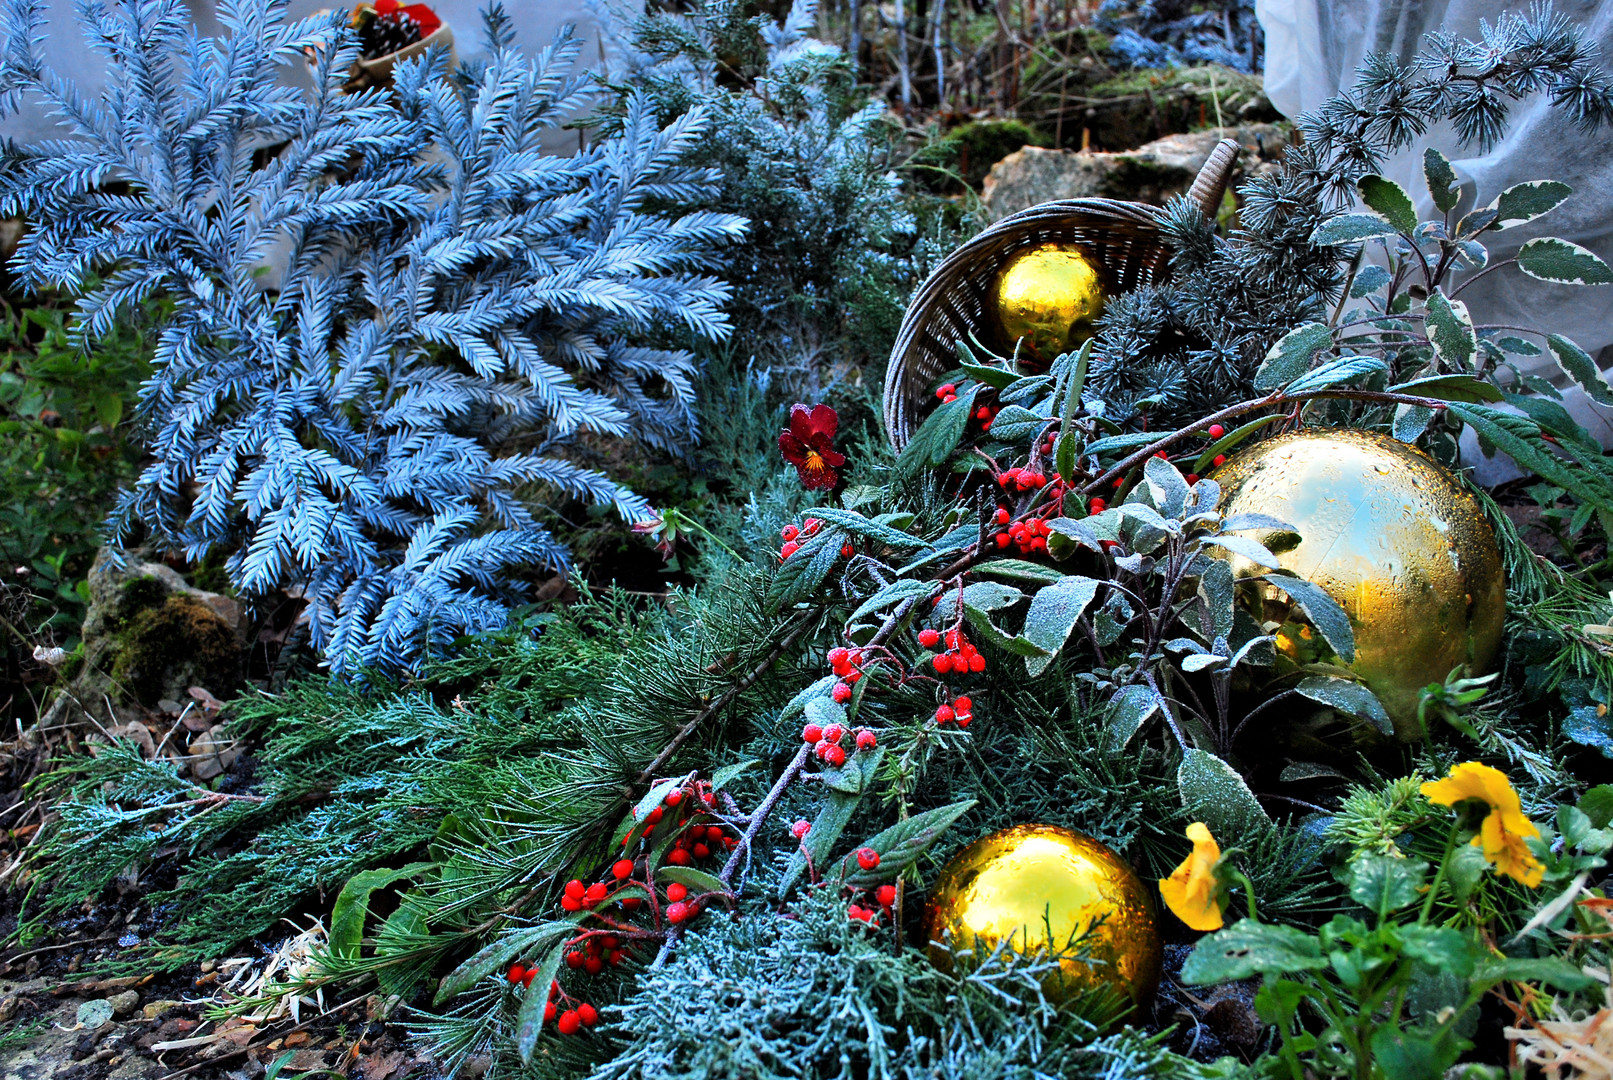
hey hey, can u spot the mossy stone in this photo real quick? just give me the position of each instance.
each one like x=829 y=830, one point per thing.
x=182 y=642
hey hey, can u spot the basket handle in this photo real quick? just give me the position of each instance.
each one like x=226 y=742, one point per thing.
x=1210 y=186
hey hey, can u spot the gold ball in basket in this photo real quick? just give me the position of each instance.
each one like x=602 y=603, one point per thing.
x=1048 y=294
x=1021 y=882
x=1391 y=536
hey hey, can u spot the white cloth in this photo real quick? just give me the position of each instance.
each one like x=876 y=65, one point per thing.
x=1313 y=48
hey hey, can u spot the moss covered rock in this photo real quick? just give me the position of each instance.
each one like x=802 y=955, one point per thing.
x=149 y=636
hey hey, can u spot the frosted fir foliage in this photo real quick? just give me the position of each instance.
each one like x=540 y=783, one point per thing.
x=447 y=307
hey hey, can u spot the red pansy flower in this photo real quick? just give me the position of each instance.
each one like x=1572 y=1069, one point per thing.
x=809 y=445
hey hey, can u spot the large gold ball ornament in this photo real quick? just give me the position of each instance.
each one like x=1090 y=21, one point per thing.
x=1022 y=882
x=1048 y=294
x=1391 y=536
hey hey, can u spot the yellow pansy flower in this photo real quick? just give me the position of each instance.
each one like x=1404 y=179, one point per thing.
x=1190 y=891
x=1505 y=828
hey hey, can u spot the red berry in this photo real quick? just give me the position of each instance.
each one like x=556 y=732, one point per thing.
x=630 y=903
x=517 y=973
x=868 y=858
x=622 y=869
x=1097 y=506
x=949 y=399
x=945 y=389
x=841 y=692
x=847 y=551
x=678 y=857
x=596 y=893
x=570 y=903
x=812 y=733
x=852 y=677
x=701 y=851
x=929 y=638
x=548 y=1012
x=574 y=959
x=1008 y=476
x=677 y=913
x=790 y=532
x=1216 y=431
x=1119 y=481
x=676 y=891
x=983 y=413
x=1220 y=460
x=801 y=828
x=834 y=733
x=1001 y=517
x=569 y=1022
x=886 y=895
x=615 y=957
x=942 y=663
x=964 y=720
x=977 y=663
x=575 y=889
x=834 y=756
x=655 y=816
x=822 y=749
x=1038 y=543
x=839 y=657
x=862 y=914
x=810 y=526
x=714 y=833
x=963 y=704
x=1192 y=478
x=673 y=797
x=593 y=965
x=944 y=714
x=589 y=1014
x=788 y=549
x=866 y=740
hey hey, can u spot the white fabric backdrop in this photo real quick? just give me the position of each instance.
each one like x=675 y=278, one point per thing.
x=1312 y=50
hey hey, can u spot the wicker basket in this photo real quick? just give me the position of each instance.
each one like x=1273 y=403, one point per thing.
x=1121 y=238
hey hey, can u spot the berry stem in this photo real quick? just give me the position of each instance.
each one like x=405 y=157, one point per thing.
x=742 y=851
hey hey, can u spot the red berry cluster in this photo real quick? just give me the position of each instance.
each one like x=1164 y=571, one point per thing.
x=569 y=1022
x=1029 y=536
x=1026 y=479
x=960 y=656
x=960 y=712
x=986 y=414
x=826 y=742
x=846 y=663
x=793 y=536
x=884 y=898
x=947 y=392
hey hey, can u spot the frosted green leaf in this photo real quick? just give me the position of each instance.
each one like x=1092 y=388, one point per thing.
x=1214 y=793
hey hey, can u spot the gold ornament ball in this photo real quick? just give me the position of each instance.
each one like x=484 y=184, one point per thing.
x=1022 y=881
x=1391 y=536
x=1048 y=294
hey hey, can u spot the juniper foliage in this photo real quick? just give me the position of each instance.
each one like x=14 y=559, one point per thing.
x=1179 y=350
x=449 y=306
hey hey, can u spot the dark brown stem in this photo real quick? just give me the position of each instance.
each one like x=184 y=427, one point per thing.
x=803 y=622
x=1275 y=398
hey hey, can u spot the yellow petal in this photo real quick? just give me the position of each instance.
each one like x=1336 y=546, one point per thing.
x=1470 y=780
x=1190 y=891
x=1509 y=853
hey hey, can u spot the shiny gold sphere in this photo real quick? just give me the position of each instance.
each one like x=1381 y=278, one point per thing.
x=1023 y=881
x=1394 y=539
x=1048 y=294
